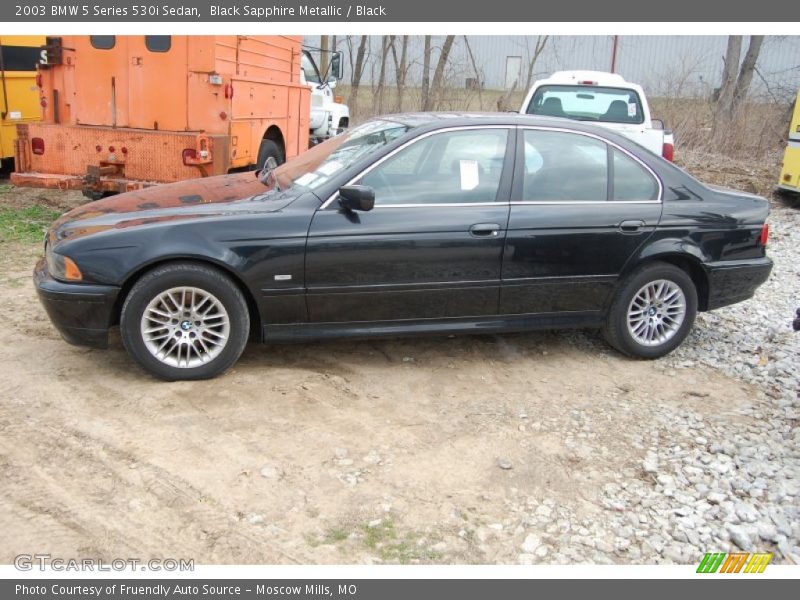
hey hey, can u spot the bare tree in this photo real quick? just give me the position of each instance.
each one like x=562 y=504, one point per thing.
x=377 y=101
x=533 y=57
x=400 y=68
x=434 y=92
x=736 y=79
x=426 y=70
x=478 y=76
x=746 y=71
x=358 y=71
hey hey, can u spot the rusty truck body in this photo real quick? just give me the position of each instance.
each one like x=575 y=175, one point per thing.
x=126 y=112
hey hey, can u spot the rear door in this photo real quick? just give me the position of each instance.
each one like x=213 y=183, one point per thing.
x=101 y=80
x=432 y=246
x=158 y=82
x=580 y=208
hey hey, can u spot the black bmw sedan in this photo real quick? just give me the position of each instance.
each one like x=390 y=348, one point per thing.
x=408 y=224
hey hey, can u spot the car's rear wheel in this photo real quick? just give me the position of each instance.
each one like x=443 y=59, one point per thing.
x=185 y=321
x=652 y=311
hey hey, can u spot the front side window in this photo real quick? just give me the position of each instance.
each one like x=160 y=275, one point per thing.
x=103 y=42
x=453 y=167
x=158 y=43
x=587 y=103
x=562 y=166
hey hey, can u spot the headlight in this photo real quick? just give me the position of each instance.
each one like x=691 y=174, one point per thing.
x=60 y=266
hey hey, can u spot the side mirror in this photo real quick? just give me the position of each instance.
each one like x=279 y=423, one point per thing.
x=335 y=68
x=356 y=197
x=266 y=173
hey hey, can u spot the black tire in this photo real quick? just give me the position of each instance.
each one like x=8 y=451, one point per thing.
x=265 y=150
x=616 y=330
x=205 y=278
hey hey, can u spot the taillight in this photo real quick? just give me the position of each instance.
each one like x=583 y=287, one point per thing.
x=228 y=90
x=188 y=154
x=39 y=80
x=37 y=145
x=764 y=235
x=668 y=151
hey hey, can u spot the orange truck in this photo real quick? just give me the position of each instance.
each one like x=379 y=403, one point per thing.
x=125 y=112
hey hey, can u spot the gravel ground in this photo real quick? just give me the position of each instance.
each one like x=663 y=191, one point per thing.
x=714 y=482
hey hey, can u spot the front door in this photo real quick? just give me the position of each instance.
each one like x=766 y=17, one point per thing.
x=432 y=246
x=580 y=208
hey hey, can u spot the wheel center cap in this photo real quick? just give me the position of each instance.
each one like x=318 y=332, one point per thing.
x=652 y=312
x=186 y=325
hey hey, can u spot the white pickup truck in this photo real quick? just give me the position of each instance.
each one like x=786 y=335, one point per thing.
x=329 y=115
x=605 y=99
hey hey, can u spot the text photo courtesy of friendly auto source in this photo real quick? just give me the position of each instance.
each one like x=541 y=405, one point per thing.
x=540 y=291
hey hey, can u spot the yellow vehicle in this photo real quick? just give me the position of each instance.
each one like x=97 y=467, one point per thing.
x=19 y=96
x=790 y=174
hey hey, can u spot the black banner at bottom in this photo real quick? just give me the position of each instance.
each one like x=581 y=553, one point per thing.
x=391 y=589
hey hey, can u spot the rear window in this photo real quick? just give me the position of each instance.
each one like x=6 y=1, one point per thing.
x=20 y=58
x=158 y=43
x=103 y=42
x=587 y=103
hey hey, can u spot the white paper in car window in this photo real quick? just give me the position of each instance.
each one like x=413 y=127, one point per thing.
x=469 y=174
x=631 y=109
x=307 y=179
x=329 y=168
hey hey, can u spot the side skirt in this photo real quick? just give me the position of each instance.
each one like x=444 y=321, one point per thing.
x=471 y=325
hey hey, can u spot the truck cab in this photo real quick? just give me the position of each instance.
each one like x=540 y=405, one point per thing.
x=329 y=115
x=604 y=99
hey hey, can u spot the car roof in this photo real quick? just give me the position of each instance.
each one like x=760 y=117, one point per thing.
x=430 y=121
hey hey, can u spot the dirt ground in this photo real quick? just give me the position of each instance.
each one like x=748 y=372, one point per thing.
x=383 y=451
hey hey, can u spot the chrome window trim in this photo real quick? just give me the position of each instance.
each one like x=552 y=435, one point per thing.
x=653 y=174
x=335 y=195
x=613 y=145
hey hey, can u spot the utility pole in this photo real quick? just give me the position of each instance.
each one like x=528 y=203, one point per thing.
x=614 y=45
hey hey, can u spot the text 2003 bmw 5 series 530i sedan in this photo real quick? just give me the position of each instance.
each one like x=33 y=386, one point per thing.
x=417 y=223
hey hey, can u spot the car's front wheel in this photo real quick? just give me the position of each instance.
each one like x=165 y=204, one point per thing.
x=185 y=321
x=652 y=311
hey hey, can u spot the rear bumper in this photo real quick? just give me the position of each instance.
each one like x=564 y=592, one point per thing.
x=730 y=282
x=82 y=313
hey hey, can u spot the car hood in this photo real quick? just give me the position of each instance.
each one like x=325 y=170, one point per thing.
x=192 y=199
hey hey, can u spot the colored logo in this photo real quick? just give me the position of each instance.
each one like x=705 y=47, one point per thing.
x=735 y=562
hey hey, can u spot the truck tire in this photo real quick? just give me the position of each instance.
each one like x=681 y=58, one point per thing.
x=265 y=150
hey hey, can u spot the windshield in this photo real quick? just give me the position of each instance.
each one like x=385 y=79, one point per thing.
x=587 y=103
x=318 y=165
x=309 y=69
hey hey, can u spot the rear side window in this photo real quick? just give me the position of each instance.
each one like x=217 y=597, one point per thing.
x=566 y=167
x=103 y=42
x=158 y=43
x=631 y=180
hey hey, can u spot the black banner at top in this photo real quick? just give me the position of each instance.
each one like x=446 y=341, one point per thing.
x=390 y=11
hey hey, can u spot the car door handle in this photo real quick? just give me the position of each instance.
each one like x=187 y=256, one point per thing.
x=631 y=226
x=485 y=230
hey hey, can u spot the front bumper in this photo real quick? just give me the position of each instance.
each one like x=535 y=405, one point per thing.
x=733 y=281
x=82 y=313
